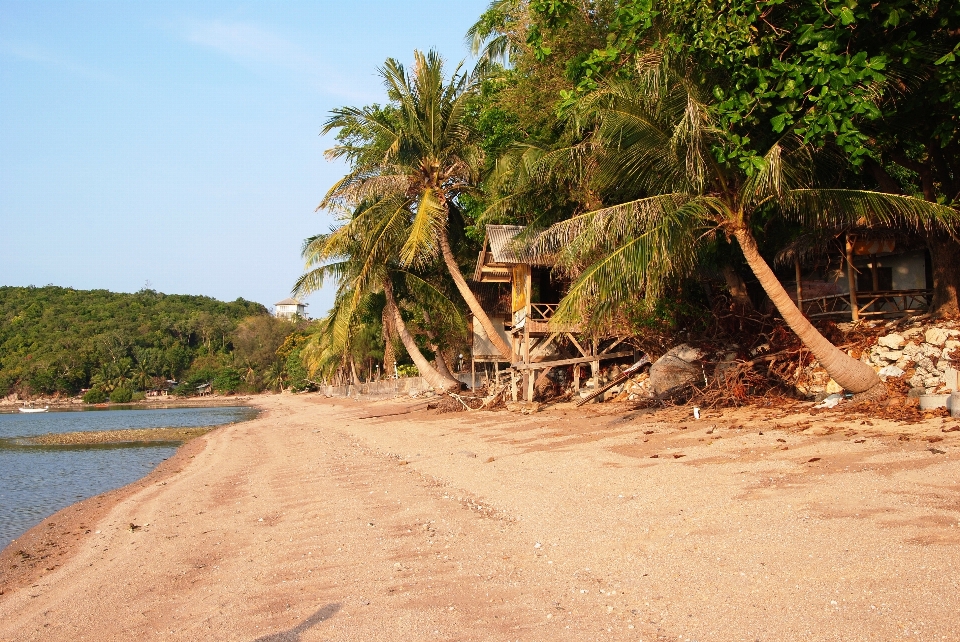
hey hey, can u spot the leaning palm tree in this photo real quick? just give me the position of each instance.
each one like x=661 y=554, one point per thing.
x=656 y=137
x=360 y=254
x=415 y=156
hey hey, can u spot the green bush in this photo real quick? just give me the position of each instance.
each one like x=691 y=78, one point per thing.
x=297 y=373
x=94 y=395
x=408 y=370
x=227 y=381
x=138 y=396
x=121 y=395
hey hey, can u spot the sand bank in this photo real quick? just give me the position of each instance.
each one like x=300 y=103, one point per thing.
x=311 y=523
x=128 y=435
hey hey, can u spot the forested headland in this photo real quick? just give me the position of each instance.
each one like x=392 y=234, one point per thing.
x=56 y=340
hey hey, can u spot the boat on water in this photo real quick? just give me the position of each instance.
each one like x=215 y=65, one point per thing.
x=44 y=409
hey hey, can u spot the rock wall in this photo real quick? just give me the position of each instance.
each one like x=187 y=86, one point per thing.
x=920 y=356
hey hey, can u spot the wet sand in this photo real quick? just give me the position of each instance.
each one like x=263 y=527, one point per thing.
x=313 y=523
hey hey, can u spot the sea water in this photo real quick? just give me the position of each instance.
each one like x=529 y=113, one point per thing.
x=37 y=481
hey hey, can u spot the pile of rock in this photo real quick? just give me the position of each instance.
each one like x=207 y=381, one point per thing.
x=920 y=356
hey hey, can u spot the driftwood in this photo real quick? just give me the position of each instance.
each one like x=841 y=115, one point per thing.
x=422 y=406
x=626 y=374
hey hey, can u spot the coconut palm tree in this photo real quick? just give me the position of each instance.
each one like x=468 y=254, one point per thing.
x=361 y=255
x=416 y=155
x=656 y=137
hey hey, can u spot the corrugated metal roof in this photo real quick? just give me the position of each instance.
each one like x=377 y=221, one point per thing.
x=505 y=250
x=289 y=302
x=500 y=238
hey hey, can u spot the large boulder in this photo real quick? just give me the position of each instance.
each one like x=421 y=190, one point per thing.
x=675 y=370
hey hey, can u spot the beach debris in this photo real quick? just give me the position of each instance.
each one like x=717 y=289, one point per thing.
x=623 y=376
x=830 y=402
x=134 y=527
x=711 y=429
x=696 y=412
x=950 y=429
x=524 y=407
x=813 y=459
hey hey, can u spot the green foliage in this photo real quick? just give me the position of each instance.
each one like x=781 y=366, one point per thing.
x=94 y=395
x=817 y=69
x=227 y=381
x=121 y=395
x=408 y=370
x=62 y=340
x=297 y=376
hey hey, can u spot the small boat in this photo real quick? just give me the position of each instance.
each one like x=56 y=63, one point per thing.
x=44 y=409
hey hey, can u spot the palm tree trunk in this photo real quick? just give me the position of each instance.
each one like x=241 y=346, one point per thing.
x=436 y=380
x=389 y=354
x=853 y=375
x=442 y=366
x=945 y=257
x=478 y=313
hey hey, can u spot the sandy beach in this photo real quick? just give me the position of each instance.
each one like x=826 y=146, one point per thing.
x=322 y=521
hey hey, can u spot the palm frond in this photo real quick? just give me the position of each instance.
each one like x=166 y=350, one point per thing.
x=817 y=208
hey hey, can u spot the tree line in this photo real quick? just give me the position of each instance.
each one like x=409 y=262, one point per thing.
x=57 y=340
x=643 y=143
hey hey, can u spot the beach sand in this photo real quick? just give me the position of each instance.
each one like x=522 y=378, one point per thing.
x=315 y=523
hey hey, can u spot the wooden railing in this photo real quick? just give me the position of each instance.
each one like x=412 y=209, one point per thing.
x=869 y=304
x=543 y=311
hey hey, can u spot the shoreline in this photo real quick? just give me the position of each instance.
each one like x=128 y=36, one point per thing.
x=7 y=406
x=333 y=519
x=59 y=536
x=56 y=539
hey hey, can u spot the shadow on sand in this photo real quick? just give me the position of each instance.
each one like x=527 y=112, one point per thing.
x=293 y=635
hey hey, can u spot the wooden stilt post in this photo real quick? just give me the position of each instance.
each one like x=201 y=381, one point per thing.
x=852 y=281
x=576 y=378
x=513 y=384
x=496 y=373
x=473 y=373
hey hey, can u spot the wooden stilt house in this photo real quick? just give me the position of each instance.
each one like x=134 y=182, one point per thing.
x=533 y=299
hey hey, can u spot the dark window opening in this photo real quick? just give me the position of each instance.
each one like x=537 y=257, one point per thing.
x=884 y=279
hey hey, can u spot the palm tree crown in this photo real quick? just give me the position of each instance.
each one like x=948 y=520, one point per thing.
x=415 y=157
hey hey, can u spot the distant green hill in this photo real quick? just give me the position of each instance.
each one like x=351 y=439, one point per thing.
x=56 y=339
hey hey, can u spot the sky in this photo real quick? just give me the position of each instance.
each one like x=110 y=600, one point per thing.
x=175 y=145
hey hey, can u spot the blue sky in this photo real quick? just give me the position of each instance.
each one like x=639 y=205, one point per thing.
x=177 y=144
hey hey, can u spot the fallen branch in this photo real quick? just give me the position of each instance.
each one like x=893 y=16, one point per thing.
x=623 y=377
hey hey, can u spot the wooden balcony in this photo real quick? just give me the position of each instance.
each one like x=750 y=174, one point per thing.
x=539 y=320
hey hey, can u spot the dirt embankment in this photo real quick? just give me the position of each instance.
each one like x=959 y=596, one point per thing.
x=314 y=523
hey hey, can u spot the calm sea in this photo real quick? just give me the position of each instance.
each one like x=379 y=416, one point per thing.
x=37 y=481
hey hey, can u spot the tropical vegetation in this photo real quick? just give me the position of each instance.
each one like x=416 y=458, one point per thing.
x=640 y=141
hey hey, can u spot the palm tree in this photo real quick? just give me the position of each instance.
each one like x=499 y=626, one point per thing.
x=417 y=156
x=360 y=254
x=656 y=138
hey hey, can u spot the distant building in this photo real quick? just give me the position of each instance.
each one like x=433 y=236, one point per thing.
x=289 y=308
